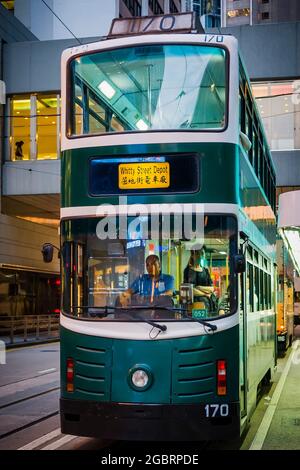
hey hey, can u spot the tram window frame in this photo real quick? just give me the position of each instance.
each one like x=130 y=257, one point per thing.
x=70 y=124
x=250 y=296
x=254 y=149
x=266 y=291
x=242 y=109
x=249 y=133
x=261 y=290
x=266 y=174
x=270 y=290
x=257 y=159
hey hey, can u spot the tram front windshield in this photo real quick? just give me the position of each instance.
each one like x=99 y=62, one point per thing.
x=148 y=273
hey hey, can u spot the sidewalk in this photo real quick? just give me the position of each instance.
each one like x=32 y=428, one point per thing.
x=279 y=425
x=284 y=431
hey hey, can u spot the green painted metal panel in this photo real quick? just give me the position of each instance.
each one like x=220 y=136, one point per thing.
x=184 y=369
x=194 y=371
x=92 y=363
x=157 y=355
x=91 y=370
x=195 y=365
x=218 y=169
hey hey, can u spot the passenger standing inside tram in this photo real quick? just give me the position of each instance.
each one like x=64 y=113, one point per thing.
x=198 y=275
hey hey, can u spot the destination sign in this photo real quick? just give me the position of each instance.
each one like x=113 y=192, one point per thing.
x=144 y=175
x=175 y=23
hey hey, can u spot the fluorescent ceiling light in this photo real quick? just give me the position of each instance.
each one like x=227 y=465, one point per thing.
x=106 y=89
x=141 y=125
x=222 y=252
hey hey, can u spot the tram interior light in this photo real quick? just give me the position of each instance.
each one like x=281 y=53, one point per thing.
x=106 y=89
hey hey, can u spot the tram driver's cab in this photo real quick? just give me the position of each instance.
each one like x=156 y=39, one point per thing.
x=192 y=276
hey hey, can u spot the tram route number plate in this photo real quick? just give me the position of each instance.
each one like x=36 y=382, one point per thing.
x=178 y=22
x=144 y=175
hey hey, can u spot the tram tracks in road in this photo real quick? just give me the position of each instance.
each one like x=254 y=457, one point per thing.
x=29 y=387
x=28 y=425
x=31 y=397
x=39 y=375
x=16 y=417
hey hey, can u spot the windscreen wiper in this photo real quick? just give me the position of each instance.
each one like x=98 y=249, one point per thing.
x=107 y=309
x=146 y=320
x=176 y=309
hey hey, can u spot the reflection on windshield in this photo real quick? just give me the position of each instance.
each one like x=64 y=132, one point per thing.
x=159 y=279
x=149 y=87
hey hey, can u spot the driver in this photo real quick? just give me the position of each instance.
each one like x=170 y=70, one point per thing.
x=152 y=284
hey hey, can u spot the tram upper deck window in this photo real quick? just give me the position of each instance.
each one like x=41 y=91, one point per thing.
x=151 y=87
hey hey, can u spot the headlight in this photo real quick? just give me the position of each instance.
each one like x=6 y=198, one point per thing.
x=140 y=377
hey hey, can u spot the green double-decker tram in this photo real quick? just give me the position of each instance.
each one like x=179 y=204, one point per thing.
x=167 y=239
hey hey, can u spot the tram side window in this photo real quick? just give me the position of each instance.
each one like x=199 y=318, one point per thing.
x=249 y=292
x=256 y=289
x=258 y=154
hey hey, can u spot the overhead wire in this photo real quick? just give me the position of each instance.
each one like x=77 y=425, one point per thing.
x=59 y=19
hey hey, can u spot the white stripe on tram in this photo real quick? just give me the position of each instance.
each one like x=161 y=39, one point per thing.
x=132 y=210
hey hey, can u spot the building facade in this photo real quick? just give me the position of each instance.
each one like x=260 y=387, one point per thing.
x=251 y=12
x=26 y=286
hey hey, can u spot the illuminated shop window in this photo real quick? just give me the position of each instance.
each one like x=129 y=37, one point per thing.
x=34 y=127
x=47 y=127
x=20 y=128
x=279 y=107
x=240 y=12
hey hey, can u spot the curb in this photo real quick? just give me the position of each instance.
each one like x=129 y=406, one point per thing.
x=31 y=343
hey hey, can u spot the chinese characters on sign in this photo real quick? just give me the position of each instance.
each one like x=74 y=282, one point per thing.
x=144 y=175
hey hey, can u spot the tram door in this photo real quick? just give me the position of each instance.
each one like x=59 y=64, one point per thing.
x=243 y=343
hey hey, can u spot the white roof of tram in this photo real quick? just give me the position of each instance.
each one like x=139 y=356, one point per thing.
x=289 y=224
x=289 y=210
